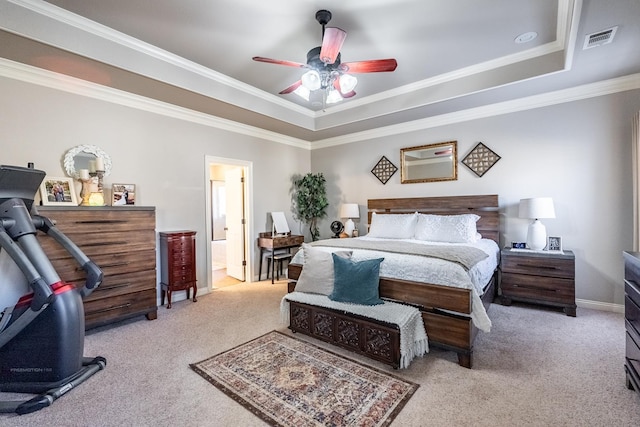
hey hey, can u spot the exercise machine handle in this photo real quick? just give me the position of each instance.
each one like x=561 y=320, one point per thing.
x=94 y=275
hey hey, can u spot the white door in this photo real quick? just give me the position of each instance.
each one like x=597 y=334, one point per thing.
x=234 y=184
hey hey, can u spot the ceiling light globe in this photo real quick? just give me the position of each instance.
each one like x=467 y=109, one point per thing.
x=302 y=92
x=333 y=96
x=347 y=83
x=311 y=80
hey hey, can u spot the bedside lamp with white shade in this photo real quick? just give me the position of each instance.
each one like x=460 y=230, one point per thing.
x=536 y=208
x=349 y=211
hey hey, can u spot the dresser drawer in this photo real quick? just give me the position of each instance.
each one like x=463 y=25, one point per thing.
x=95 y=244
x=632 y=268
x=180 y=259
x=107 y=310
x=181 y=256
x=549 y=267
x=98 y=220
x=184 y=275
x=181 y=243
x=124 y=284
x=632 y=314
x=110 y=264
x=550 y=289
x=632 y=353
x=632 y=291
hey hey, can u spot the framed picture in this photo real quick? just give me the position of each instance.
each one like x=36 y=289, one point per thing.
x=58 y=191
x=123 y=195
x=384 y=170
x=554 y=243
x=480 y=159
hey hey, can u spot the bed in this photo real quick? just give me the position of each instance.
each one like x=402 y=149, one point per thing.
x=453 y=313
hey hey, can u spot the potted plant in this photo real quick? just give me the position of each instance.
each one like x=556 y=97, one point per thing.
x=310 y=201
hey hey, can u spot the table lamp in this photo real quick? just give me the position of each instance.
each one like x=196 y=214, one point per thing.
x=349 y=211
x=536 y=208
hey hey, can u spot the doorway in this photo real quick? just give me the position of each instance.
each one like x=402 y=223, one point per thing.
x=228 y=201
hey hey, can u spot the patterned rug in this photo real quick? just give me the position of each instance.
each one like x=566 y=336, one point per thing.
x=288 y=382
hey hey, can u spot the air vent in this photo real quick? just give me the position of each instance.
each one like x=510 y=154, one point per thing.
x=600 y=38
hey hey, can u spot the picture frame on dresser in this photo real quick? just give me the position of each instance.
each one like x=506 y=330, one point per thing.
x=554 y=244
x=123 y=195
x=58 y=191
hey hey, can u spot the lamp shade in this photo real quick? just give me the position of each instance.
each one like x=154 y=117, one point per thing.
x=349 y=210
x=538 y=207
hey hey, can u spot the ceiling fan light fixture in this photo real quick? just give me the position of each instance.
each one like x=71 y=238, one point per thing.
x=325 y=80
x=303 y=92
x=347 y=83
x=311 y=80
x=333 y=97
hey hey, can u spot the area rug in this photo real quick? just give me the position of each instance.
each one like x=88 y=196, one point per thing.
x=289 y=382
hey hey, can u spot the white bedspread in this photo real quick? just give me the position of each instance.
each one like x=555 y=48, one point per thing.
x=436 y=271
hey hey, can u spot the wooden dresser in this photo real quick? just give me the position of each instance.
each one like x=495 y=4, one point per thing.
x=539 y=277
x=632 y=318
x=178 y=263
x=122 y=242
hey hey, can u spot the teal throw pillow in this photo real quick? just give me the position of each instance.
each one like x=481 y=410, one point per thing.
x=356 y=282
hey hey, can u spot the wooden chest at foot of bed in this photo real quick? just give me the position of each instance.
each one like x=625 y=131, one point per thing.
x=376 y=340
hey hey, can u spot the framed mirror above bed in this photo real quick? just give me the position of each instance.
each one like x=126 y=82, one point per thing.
x=429 y=163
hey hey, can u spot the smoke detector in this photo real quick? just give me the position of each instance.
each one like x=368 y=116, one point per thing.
x=599 y=38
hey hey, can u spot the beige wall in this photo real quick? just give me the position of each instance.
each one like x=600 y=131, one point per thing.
x=579 y=153
x=163 y=156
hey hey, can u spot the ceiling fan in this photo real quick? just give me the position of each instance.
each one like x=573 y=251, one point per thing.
x=326 y=72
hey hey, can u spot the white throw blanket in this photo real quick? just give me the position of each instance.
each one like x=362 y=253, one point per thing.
x=413 y=337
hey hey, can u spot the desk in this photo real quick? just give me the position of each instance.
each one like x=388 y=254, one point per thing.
x=266 y=242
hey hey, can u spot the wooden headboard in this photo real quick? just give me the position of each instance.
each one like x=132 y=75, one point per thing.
x=486 y=206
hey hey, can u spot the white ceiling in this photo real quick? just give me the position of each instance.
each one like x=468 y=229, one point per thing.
x=451 y=55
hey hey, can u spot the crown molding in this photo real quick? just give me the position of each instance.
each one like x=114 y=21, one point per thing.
x=91 y=27
x=592 y=90
x=253 y=99
x=49 y=79
x=52 y=80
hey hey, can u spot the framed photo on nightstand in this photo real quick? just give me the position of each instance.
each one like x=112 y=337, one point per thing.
x=554 y=244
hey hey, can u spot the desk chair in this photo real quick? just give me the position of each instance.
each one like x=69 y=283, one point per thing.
x=278 y=258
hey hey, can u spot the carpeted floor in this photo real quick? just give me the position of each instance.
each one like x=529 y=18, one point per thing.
x=537 y=367
x=290 y=383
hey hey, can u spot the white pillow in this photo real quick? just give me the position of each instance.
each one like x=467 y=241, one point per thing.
x=447 y=228
x=393 y=226
x=317 y=272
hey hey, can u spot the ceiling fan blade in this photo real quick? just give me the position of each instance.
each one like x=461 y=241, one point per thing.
x=331 y=44
x=371 y=66
x=291 y=88
x=280 y=62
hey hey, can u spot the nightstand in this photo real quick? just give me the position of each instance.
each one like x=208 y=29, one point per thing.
x=539 y=277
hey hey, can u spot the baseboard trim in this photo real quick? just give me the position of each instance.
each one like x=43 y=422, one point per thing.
x=602 y=306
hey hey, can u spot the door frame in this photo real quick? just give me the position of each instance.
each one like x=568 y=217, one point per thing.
x=248 y=208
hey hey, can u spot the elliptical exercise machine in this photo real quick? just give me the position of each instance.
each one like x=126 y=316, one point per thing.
x=42 y=335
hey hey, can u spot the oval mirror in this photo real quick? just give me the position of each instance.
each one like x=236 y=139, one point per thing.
x=429 y=163
x=79 y=157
